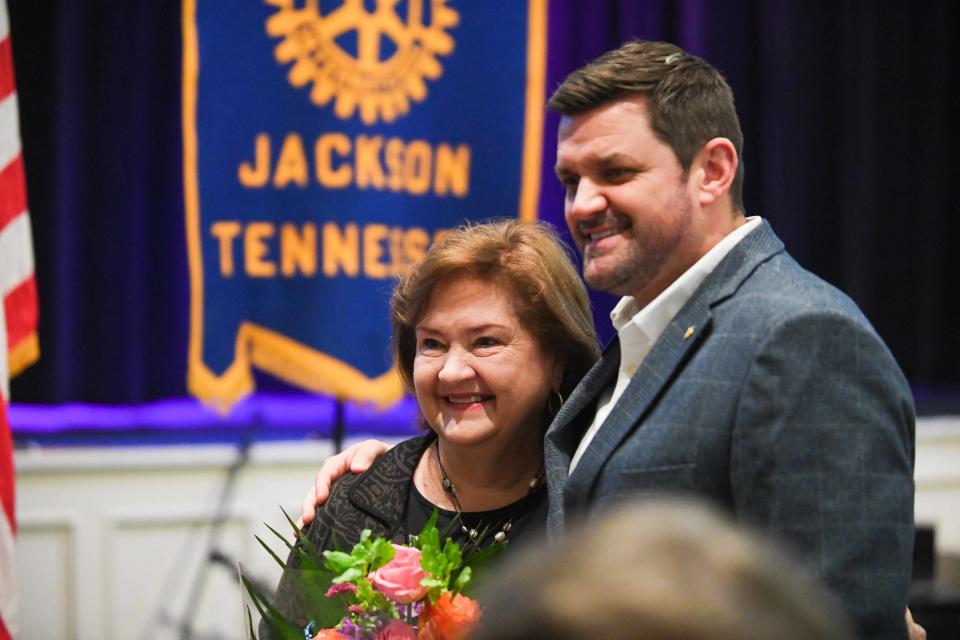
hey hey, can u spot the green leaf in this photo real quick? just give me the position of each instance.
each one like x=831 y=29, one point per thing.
x=431 y=522
x=432 y=559
x=429 y=537
x=270 y=551
x=305 y=543
x=451 y=550
x=350 y=575
x=280 y=626
x=483 y=556
x=365 y=592
x=381 y=552
x=463 y=579
x=310 y=583
x=432 y=583
x=282 y=537
x=311 y=587
x=372 y=600
x=253 y=634
x=360 y=554
x=338 y=561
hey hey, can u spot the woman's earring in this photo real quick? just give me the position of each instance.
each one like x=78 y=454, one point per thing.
x=558 y=396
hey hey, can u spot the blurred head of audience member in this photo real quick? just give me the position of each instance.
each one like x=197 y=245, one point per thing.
x=659 y=570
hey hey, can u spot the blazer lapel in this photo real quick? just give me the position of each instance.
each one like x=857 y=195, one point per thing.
x=564 y=433
x=667 y=354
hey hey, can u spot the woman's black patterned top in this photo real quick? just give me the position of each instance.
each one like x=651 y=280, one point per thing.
x=378 y=500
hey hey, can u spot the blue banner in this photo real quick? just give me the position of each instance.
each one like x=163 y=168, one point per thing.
x=326 y=145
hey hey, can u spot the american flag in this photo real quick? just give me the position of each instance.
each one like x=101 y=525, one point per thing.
x=19 y=346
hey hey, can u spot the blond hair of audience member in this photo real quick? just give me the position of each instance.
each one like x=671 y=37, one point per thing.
x=659 y=570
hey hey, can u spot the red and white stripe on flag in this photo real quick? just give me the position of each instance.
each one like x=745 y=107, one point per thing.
x=19 y=346
x=9 y=603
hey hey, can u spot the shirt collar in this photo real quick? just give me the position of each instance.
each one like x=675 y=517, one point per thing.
x=646 y=324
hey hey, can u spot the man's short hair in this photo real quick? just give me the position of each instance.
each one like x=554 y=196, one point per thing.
x=688 y=100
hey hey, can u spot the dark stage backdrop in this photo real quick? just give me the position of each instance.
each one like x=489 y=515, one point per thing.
x=848 y=108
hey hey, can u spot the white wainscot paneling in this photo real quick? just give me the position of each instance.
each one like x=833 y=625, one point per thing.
x=113 y=542
x=938 y=480
x=46 y=561
x=158 y=578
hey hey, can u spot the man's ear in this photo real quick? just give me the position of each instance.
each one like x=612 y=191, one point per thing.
x=716 y=167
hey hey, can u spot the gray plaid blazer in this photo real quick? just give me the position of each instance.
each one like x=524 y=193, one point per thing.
x=771 y=395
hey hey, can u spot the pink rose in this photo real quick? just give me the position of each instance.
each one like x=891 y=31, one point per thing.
x=396 y=630
x=400 y=578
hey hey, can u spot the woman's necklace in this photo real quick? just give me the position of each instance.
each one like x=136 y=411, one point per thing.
x=451 y=489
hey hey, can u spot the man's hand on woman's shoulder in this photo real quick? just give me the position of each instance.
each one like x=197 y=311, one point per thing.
x=356 y=458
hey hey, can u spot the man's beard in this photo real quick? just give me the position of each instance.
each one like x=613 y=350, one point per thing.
x=643 y=258
x=633 y=270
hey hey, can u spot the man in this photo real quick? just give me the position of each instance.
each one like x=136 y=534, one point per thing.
x=736 y=374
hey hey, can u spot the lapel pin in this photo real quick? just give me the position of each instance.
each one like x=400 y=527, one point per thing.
x=688 y=332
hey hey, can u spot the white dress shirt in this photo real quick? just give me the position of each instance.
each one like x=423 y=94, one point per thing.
x=638 y=328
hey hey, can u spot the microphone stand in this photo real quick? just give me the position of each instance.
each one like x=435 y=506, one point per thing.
x=339 y=432
x=212 y=554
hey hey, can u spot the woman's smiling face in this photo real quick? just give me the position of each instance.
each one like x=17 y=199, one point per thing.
x=478 y=374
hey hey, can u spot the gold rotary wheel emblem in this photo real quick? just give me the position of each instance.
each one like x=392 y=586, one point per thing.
x=377 y=82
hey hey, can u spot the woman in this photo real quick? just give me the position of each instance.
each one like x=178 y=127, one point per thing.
x=491 y=330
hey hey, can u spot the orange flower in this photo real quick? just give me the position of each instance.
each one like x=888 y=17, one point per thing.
x=329 y=634
x=449 y=618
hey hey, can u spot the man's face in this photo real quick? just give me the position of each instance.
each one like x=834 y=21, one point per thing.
x=628 y=203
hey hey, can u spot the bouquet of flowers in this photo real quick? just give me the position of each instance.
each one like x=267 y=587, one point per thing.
x=380 y=590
